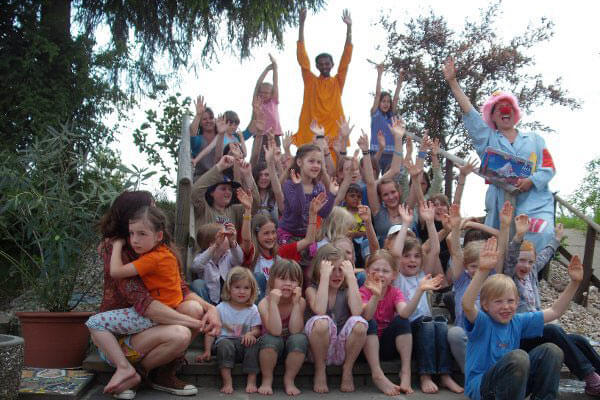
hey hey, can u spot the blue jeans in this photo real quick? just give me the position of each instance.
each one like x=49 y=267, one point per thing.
x=580 y=356
x=518 y=374
x=261 y=280
x=198 y=286
x=430 y=345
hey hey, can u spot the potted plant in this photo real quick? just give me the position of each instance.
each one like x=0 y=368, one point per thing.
x=52 y=194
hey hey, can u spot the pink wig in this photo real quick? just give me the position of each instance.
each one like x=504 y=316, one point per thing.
x=486 y=109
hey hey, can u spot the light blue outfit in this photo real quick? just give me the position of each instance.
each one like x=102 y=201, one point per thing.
x=538 y=202
x=489 y=341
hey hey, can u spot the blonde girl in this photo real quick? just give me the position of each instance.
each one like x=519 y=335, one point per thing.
x=336 y=331
x=339 y=222
x=240 y=329
x=306 y=180
x=430 y=340
x=282 y=315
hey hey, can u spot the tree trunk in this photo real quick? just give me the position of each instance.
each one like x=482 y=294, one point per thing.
x=449 y=179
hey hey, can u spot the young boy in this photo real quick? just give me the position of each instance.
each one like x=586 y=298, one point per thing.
x=496 y=367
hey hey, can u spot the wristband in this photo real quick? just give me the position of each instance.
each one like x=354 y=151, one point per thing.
x=343 y=153
x=366 y=153
x=422 y=154
x=247 y=217
x=320 y=136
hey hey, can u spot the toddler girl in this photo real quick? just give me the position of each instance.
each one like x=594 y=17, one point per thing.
x=335 y=330
x=282 y=315
x=240 y=329
x=267 y=95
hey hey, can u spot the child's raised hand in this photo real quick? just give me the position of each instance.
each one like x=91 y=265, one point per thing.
x=346 y=17
x=397 y=128
x=427 y=211
x=221 y=124
x=374 y=284
x=521 y=224
x=409 y=147
x=225 y=162
x=455 y=219
x=326 y=268
x=295 y=177
x=488 y=257
x=302 y=15
x=431 y=283
x=316 y=128
x=317 y=203
x=200 y=105
x=380 y=68
x=413 y=169
x=364 y=212
x=380 y=139
x=297 y=295
x=334 y=187
x=469 y=167
x=244 y=198
x=244 y=166
x=449 y=69
x=406 y=214
x=347 y=268
x=559 y=232
x=426 y=142
x=269 y=152
x=287 y=140
x=248 y=339
x=345 y=128
x=506 y=213
x=273 y=60
x=363 y=142
x=275 y=295
x=435 y=148
x=576 y=269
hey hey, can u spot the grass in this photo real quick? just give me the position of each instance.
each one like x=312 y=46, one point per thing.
x=572 y=222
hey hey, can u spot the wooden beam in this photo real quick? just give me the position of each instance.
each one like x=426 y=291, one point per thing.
x=588 y=257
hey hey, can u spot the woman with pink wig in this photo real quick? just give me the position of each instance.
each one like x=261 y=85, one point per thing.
x=495 y=128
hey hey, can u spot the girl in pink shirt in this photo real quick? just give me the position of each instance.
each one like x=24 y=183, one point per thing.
x=267 y=96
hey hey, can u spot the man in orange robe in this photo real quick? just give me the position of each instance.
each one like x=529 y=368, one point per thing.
x=323 y=93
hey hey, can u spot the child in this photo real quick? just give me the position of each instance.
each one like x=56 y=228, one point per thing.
x=282 y=315
x=260 y=246
x=304 y=184
x=429 y=334
x=386 y=305
x=523 y=265
x=240 y=329
x=336 y=331
x=219 y=253
x=496 y=367
x=267 y=95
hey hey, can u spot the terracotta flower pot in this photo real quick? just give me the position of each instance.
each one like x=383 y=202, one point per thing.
x=11 y=363
x=54 y=339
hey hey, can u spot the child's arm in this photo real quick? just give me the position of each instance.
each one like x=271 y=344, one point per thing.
x=200 y=107
x=318 y=300
x=450 y=75
x=354 y=300
x=481 y=227
x=246 y=200
x=398 y=129
x=273 y=176
x=407 y=217
x=117 y=269
x=275 y=93
x=514 y=247
x=208 y=342
x=268 y=309
x=506 y=214
x=365 y=214
x=405 y=309
x=436 y=169
x=487 y=261
x=375 y=286
x=431 y=264
x=343 y=189
x=296 y=323
x=457 y=266
x=381 y=146
x=221 y=126
x=397 y=91
x=311 y=232
x=261 y=79
x=562 y=303
x=251 y=336
x=465 y=170
x=377 y=98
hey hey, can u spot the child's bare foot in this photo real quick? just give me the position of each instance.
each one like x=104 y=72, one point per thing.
x=447 y=381
x=265 y=389
x=427 y=385
x=406 y=382
x=291 y=389
x=227 y=389
x=320 y=384
x=203 y=357
x=386 y=386
x=347 y=384
x=120 y=378
x=251 y=384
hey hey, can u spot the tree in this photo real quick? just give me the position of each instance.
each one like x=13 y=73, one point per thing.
x=587 y=196
x=485 y=62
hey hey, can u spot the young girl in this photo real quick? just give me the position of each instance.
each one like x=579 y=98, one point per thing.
x=304 y=184
x=429 y=334
x=336 y=331
x=282 y=315
x=268 y=97
x=240 y=329
x=219 y=253
x=387 y=306
x=259 y=244
x=339 y=222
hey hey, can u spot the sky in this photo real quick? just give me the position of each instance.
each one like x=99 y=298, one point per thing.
x=573 y=53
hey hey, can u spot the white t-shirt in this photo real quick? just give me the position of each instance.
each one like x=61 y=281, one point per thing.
x=409 y=285
x=236 y=323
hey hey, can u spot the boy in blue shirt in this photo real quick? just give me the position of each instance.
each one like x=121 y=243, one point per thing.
x=496 y=368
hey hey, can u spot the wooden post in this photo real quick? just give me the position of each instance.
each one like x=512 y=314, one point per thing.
x=581 y=296
x=184 y=210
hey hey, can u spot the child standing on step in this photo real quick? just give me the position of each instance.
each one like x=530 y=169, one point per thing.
x=240 y=329
x=282 y=315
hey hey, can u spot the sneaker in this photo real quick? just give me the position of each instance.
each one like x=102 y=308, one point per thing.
x=165 y=380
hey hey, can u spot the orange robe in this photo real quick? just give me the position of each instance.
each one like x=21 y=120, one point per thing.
x=322 y=98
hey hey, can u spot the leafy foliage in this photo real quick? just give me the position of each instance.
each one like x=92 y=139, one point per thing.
x=587 y=196
x=484 y=64
x=161 y=134
x=52 y=195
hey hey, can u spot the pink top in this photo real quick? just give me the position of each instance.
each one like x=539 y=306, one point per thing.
x=271 y=111
x=386 y=307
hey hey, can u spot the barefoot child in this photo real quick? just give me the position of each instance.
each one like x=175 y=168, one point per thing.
x=240 y=329
x=387 y=306
x=496 y=367
x=282 y=315
x=336 y=331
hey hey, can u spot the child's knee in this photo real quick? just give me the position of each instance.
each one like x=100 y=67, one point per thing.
x=359 y=329
x=551 y=353
x=321 y=327
x=518 y=362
